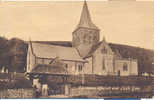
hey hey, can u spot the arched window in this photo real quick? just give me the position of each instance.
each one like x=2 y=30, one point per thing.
x=103 y=64
x=94 y=38
x=85 y=38
x=125 y=67
x=79 y=68
x=104 y=50
x=66 y=66
x=77 y=39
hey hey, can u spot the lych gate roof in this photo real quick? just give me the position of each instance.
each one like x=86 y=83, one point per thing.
x=85 y=20
x=53 y=51
x=49 y=69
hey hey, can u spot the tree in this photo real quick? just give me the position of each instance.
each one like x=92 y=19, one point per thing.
x=4 y=59
x=17 y=54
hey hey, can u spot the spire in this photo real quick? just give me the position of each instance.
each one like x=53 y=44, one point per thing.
x=85 y=19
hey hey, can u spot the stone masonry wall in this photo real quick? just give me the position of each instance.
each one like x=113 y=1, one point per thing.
x=17 y=93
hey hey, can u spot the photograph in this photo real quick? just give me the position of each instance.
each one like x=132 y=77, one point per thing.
x=76 y=49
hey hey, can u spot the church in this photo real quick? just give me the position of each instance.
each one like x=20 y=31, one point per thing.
x=87 y=55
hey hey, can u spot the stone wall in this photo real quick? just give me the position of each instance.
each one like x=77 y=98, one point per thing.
x=17 y=93
x=87 y=69
x=83 y=91
x=131 y=66
x=106 y=91
x=103 y=60
x=84 y=39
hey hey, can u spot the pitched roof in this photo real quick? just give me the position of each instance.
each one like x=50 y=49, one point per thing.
x=49 y=69
x=114 y=47
x=85 y=19
x=95 y=47
x=53 y=51
x=58 y=43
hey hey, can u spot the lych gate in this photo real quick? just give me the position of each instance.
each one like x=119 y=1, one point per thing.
x=50 y=84
x=94 y=85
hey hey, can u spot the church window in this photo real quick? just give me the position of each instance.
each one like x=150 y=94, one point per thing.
x=94 y=38
x=104 y=50
x=125 y=67
x=66 y=66
x=77 y=39
x=90 y=37
x=103 y=64
x=76 y=66
x=85 y=38
x=79 y=67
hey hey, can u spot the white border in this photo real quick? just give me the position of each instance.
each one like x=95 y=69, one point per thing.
x=78 y=0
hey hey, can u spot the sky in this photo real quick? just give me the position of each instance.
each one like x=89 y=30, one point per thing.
x=129 y=23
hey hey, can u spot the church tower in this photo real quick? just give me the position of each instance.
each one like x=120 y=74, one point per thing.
x=86 y=34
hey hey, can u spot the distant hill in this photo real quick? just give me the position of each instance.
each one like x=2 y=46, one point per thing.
x=15 y=51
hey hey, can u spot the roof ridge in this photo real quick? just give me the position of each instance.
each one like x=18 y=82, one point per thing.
x=51 y=51
x=52 y=45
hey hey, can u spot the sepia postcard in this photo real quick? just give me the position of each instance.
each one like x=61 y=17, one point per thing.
x=77 y=49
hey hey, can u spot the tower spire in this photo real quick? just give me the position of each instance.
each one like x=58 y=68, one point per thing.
x=90 y=33
x=85 y=19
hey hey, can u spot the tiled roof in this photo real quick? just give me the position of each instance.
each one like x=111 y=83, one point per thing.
x=116 y=48
x=53 y=51
x=95 y=47
x=69 y=44
x=58 y=43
